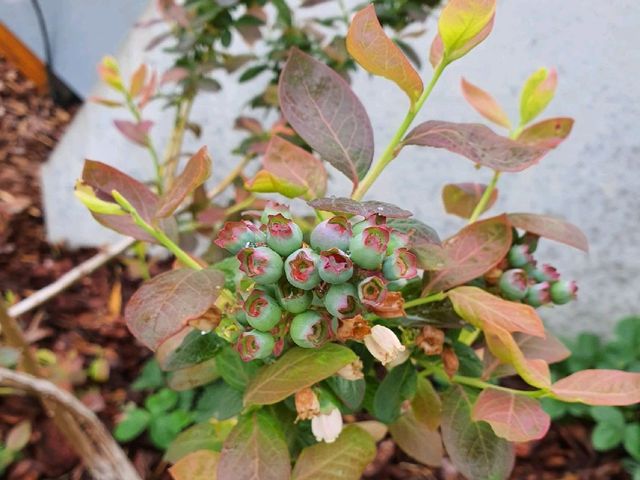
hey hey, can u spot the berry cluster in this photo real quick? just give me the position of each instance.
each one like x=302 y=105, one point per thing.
x=535 y=285
x=349 y=267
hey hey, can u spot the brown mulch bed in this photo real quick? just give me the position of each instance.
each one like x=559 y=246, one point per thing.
x=84 y=323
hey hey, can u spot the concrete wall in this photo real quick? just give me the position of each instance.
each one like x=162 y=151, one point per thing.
x=592 y=179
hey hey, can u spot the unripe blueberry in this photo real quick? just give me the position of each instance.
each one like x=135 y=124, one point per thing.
x=372 y=291
x=544 y=273
x=369 y=247
x=274 y=208
x=283 y=235
x=341 y=301
x=519 y=256
x=335 y=266
x=332 y=233
x=373 y=220
x=397 y=239
x=563 y=291
x=235 y=236
x=293 y=299
x=241 y=317
x=260 y=264
x=400 y=264
x=538 y=294
x=263 y=312
x=254 y=345
x=312 y=329
x=513 y=284
x=301 y=269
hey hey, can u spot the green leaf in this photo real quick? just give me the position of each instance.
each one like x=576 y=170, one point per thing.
x=537 y=92
x=296 y=369
x=255 y=449
x=610 y=415
x=151 y=377
x=193 y=376
x=218 y=400
x=472 y=446
x=344 y=459
x=18 y=437
x=200 y=465
x=233 y=370
x=554 y=408
x=350 y=392
x=133 y=424
x=632 y=440
x=606 y=436
x=163 y=429
x=163 y=401
x=417 y=440
x=7 y=457
x=252 y=72
x=470 y=364
x=398 y=386
x=426 y=404
x=202 y=436
x=195 y=348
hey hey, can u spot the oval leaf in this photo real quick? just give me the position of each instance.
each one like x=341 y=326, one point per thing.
x=416 y=440
x=513 y=417
x=255 y=449
x=548 y=133
x=484 y=104
x=296 y=369
x=473 y=251
x=378 y=54
x=137 y=133
x=354 y=207
x=463 y=24
x=423 y=241
x=426 y=404
x=200 y=465
x=599 y=387
x=537 y=92
x=550 y=227
x=478 y=143
x=165 y=304
x=461 y=199
x=344 y=459
x=472 y=446
x=324 y=111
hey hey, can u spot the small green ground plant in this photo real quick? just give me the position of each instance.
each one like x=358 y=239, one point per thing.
x=351 y=320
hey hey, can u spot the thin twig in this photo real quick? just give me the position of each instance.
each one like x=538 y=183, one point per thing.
x=69 y=278
x=228 y=180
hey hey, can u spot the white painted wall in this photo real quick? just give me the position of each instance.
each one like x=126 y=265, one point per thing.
x=593 y=179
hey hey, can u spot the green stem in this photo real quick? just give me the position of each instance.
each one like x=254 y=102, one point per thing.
x=486 y=196
x=238 y=207
x=436 y=297
x=159 y=235
x=477 y=383
x=392 y=149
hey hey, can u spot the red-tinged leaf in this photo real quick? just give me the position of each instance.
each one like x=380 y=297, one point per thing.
x=255 y=450
x=513 y=417
x=478 y=143
x=537 y=92
x=436 y=51
x=248 y=124
x=550 y=227
x=137 y=80
x=354 y=207
x=484 y=104
x=251 y=33
x=484 y=310
x=417 y=440
x=165 y=304
x=195 y=173
x=172 y=12
x=105 y=102
x=148 y=91
x=599 y=387
x=344 y=459
x=198 y=465
x=295 y=166
x=423 y=241
x=322 y=108
x=461 y=199
x=174 y=75
x=502 y=345
x=473 y=251
x=548 y=133
x=104 y=179
x=549 y=349
x=472 y=446
x=369 y=45
x=135 y=132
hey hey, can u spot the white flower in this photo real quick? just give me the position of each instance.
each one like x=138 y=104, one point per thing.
x=326 y=427
x=383 y=344
x=353 y=371
x=402 y=357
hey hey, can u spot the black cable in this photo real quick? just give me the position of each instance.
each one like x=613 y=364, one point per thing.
x=43 y=33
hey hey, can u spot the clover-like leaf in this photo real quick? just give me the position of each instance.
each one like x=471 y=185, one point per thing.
x=461 y=199
x=324 y=111
x=379 y=55
x=550 y=227
x=484 y=104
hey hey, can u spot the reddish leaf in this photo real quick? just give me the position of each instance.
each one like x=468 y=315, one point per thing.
x=137 y=80
x=322 y=108
x=423 y=241
x=165 y=304
x=548 y=133
x=105 y=102
x=478 y=143
x=174 y=75
x=484 y=104
x=195 y=173
x=135 y=132
x=599 y=387
x=248 y=124
x=513 y=417
x=295 y=166
x=198 y=465
x=461 y=199
x=550 y=227
x=148 y=91
x=436 y=52
x=417 y=440
x=484 y=310
x=473 y=251
x=378 y=54
x=354 y=207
